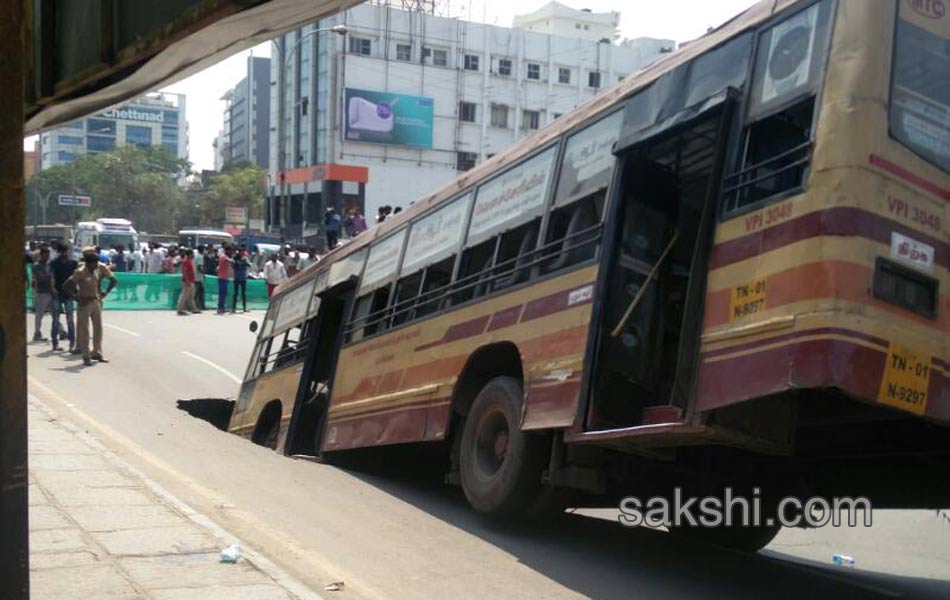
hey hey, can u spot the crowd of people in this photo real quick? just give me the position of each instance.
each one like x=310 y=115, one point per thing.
x=71 y=291
x=63 y=288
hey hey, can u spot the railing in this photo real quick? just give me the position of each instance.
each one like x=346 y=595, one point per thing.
x=736 y=186
x=507 y=273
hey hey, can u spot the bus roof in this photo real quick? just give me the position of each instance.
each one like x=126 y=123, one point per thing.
x=610 y=98
x=205 y=232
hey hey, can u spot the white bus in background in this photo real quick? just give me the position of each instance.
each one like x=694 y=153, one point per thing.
x=190 y=238
x=106 y=233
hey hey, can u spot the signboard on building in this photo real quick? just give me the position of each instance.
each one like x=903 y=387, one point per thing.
x=235 y=214
x=234 y=229
x=388 y=118
x=135 y=114
x=67 y=200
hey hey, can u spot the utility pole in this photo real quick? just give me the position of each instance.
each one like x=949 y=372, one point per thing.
x=14 y=538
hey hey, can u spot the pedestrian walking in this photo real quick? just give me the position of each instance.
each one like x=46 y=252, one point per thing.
x=85 y=284
x=186 y=299
x=198 y=263
x=42 y=293
x=331 y=225
x=225 y=271
x=241 y=266
x=355 y=223
x=63 y=267
x=274 y=274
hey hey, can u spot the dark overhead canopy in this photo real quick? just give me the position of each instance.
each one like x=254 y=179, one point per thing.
x=89 y=55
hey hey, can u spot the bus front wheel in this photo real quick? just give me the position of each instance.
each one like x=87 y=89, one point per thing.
x=501 y=465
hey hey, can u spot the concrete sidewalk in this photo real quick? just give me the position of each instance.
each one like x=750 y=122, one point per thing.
x=101 y=530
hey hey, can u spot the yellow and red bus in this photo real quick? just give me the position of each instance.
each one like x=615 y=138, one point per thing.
x=728 y=270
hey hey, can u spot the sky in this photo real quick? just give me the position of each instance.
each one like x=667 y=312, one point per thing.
x=680 y=20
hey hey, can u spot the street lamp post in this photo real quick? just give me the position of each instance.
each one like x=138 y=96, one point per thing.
x=281 y=151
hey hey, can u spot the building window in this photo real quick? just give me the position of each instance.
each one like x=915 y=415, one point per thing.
x=593 y=79
x=504 y=67
x=403 y=52
x=100 y=127
x=71 y=140
x=499 y=115
x=136 y=135
x=99 y=144
x=361 y=46
x=534 y=71
x=530 y=119
x=66 y=156
x=467 y=112
x=465 y=160
x=563 y=75
x=471 y=62
x=436 y=56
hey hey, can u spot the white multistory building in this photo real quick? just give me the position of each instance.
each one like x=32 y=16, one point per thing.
x=558 y=19
x=153 y=120
x=405 y=100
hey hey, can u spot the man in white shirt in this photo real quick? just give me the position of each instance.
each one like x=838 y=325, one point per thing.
x=153 y=262
x=274 y=273
x=136 y=259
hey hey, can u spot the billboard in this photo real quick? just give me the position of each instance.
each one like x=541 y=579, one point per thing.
x=387 y=118
x=235 y=214
x=67 y=200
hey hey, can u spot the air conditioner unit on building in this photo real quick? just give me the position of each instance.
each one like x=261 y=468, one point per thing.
x=368 y=116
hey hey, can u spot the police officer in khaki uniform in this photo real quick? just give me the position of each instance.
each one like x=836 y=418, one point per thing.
x=85 y=286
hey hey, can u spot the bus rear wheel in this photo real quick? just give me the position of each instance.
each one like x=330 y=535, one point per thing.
x=501 y=465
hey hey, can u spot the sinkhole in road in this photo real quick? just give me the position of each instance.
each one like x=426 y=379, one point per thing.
x=216 y=411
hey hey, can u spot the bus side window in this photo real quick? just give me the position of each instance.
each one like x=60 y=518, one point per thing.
x=578 y=207
x=571 y=236
x=515 y=255
x=437 y=277
x=474 y=271
x=370 y=314
x=407 y=290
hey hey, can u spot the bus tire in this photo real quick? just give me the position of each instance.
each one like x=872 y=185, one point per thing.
x=743 y=539
x=501 y=465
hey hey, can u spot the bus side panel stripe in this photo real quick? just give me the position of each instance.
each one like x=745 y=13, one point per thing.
x=821 y=363
x=899 y=171
x=840 y=331
x=842 y=220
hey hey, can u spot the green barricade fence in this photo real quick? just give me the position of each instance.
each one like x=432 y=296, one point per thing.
x=151 y=291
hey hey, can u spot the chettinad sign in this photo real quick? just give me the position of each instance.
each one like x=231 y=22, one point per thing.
x=135 y=114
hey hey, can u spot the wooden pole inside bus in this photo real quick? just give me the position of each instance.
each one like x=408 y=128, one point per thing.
x=643 y=288
x=14 y=539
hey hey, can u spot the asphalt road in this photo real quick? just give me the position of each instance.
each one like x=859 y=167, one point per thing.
x=400 y=533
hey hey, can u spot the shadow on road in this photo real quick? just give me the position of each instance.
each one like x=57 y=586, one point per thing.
x=216 y=411
x=601 y=559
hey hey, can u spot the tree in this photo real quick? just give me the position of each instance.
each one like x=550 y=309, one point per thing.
x=139 y=184
x=242 y=187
